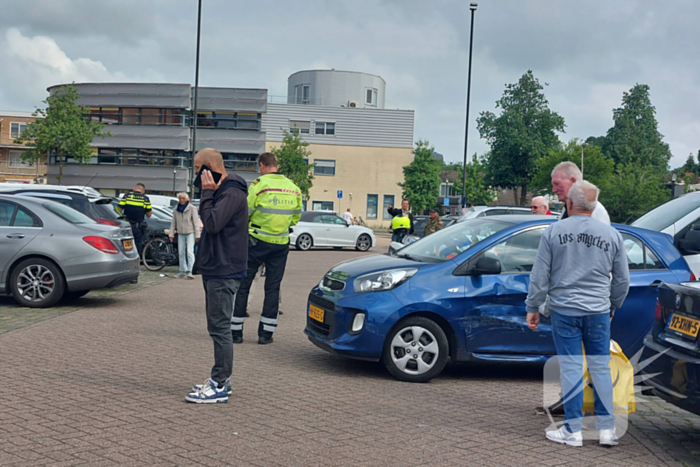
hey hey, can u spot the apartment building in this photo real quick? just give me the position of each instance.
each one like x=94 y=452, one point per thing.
x=12 y=167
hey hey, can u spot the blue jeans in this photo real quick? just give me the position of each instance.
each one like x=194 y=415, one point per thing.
x=185 y=249
x=594 y=333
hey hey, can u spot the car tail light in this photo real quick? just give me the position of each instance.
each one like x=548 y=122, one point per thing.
x=692 y=277
x=102 y=244
x=108 y=222
x=658 y=312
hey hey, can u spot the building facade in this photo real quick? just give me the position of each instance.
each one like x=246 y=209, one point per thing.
x=12 y=168
x=335 y=88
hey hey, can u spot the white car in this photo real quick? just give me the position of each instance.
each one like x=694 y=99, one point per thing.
x=326 y=228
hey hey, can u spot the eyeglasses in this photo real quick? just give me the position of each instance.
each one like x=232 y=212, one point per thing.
x=535 y=207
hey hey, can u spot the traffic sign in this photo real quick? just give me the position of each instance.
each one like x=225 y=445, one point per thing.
x=340 y=194
x=446 y=202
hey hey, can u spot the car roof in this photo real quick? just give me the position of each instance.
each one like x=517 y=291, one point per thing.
x=24 y=199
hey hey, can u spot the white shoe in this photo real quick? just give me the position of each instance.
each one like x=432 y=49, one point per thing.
x=564 y=436
x=608 y=437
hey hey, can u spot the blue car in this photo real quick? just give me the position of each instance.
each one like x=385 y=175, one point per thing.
x=460 y=293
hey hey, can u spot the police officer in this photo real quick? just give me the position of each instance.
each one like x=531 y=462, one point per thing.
x=274 y=204
x=402 y=223
x=136 y=206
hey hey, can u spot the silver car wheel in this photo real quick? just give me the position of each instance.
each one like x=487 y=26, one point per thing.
x=36 y=283
x=304 y=242
x=414 y=350
x=364 y=242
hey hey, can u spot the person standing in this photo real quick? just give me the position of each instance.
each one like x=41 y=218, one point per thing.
x=576 y=259
x=222 y=261
x=566 y=174
x=136 y=206
x=347 y=215
x=274 y=205
x=185 y=225
x=434 y=224
x=402 y=222
x=539 y=205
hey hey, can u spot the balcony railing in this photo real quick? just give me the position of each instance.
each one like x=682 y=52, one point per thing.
x=130 y=160
x=292 y=100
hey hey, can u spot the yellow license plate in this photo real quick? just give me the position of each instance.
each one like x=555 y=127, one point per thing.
x=684 y=325
x=316 y=313
x=128 y=244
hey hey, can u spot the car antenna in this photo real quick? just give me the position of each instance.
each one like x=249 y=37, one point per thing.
x=90 y=181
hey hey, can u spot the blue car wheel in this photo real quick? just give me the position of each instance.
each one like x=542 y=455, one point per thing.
x=416 y=350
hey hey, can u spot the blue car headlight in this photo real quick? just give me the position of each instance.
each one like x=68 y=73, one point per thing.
x=383 y=280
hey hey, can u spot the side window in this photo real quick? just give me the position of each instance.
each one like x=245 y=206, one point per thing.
x=496 y=212
x=638 y=255
x=318 y=219
x=339 y=220
x=6 y=211
x=517 y=254
x=24 y=219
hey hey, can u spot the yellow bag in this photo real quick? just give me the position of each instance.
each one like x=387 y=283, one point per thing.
x=622 y=373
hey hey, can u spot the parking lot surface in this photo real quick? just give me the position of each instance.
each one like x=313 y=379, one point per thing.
x=103 y=383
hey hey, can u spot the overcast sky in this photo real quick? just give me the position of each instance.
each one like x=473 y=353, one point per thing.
x=588 y=51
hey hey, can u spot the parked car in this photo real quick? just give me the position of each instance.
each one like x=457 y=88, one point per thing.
x=49 y=251
x=481 y=211
x=327 y=229
x=680 y=218
x=158 y=222
x=168 y=202
x=671 y=348
x=444 y=296
x=419 y=223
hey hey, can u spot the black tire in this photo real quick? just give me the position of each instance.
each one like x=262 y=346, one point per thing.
x=70 y=296
x=150 y=255
x=431 y=336
x=37 y=283
x=364 y=243
x=304 y=242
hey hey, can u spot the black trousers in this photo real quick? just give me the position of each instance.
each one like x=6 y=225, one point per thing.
x=274 y=257
x=219 y=295
x=138 y=236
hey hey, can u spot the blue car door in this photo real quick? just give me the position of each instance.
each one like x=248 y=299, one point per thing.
x=495 y=304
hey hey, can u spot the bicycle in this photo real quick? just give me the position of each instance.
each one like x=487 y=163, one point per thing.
x=159 y=252
x=358 y=221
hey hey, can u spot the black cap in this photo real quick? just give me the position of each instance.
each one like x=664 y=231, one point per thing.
x=435 y=210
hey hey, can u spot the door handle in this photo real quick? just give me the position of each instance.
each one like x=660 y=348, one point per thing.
x=16 y=236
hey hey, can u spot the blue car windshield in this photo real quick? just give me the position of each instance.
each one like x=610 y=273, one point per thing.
x=452 y=241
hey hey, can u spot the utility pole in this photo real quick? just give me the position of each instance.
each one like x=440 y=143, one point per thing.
x=472 y=8
x=196 y=89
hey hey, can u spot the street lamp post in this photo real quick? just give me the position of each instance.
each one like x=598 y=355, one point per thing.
x=472 y=8
x=582 y=145
x=196 y=89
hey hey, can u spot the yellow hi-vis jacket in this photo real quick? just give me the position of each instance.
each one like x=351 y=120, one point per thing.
x=401 y=222
x=274 y=204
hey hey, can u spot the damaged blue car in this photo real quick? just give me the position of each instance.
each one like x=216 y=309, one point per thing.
x=459 y=293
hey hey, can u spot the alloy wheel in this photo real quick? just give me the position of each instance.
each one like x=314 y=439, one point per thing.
x=36 y=283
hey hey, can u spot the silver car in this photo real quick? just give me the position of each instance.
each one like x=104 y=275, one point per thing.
x=49 y=251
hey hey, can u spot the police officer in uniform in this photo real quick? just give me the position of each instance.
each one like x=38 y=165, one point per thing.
x=274 y=204
x=136 y=206
x=402 y=223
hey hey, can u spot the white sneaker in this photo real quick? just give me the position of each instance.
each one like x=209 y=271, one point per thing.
x=564 y=436
x=608 y=437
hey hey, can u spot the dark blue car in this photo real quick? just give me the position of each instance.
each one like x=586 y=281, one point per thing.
x=460 y=293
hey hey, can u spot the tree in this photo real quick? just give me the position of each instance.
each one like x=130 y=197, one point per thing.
x=597 y=167
x=596 y=141
x=421 y=184
x=634 y=137
x=520 y=135
x=632 y=191
x=62 y=129
x=477 y=191
x=292 y=158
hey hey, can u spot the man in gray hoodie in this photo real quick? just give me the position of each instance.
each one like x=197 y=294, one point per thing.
x=576 y=259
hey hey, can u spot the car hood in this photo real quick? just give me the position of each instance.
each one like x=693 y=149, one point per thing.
x=360 y=266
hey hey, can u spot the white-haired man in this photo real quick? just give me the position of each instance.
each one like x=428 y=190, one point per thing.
x=540 y=205
x=566 y=174
x=576 y=260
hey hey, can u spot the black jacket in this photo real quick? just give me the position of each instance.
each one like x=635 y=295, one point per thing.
x=223 y=247
x=397 y=212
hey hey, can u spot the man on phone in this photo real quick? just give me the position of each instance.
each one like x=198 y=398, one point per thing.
x=221 y=259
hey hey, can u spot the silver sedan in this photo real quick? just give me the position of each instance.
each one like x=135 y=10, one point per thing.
x=49 y=251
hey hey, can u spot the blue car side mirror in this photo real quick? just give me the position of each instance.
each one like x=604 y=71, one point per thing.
x=486 y=266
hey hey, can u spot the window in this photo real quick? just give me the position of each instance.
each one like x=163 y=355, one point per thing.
x=302 y=93
x=638 y=255
x=16 y=129
x=324 y=167
x=447 y=190
x=517 y=254
x=388 y=201
x=110 y=114
x=322 y=206
x=325 y=128
x=299 y=126
x=16 y=162
x=24 y=219
x=150 y=116
x=372 y=206
x=333 y=219
x=6 y=212
x=371 y=97
x=68 y=214
x=106 y=156
x=495 y=212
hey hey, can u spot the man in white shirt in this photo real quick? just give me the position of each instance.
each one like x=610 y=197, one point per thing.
x=566 y=174
x=348 y=217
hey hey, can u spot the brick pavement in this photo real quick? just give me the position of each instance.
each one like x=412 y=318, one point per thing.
x=105 y=386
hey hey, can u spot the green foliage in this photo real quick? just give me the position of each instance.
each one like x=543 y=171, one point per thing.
x=597 y=167
x=635 y=138
x=452 y=166
x=689 y=166
x=596 y=141
x=523 y=133
x=62 y=129
x=421 y=184
x=477 y=190
x=632 y=191
x=290 y=158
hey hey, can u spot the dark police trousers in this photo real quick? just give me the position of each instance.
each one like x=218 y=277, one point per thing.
x=219 y=295
x=275 y=259
x=138 y=235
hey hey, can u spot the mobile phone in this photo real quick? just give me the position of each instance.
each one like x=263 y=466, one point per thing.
x=198 y=179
